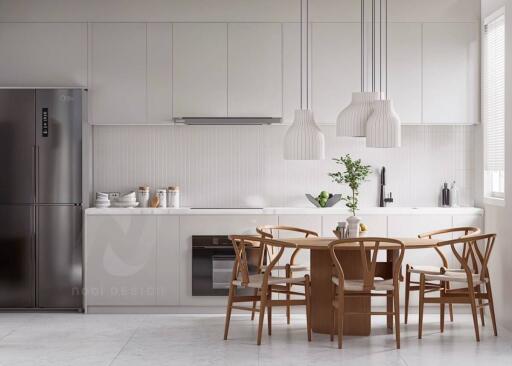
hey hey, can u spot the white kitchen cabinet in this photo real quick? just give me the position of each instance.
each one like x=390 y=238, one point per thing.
x=291 y=71
x=200 y=69
x=254 y=69
x=210 y=225
x=117 y=79
x=404 y=70
x=43 y=54
x=120 y=257
x=451 y=73
x=335 y=68
x=167 y=260
x=159 y=73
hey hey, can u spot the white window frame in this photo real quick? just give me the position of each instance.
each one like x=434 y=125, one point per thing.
x=490 y=177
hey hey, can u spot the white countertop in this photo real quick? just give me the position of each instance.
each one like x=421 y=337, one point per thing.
x=288 y=211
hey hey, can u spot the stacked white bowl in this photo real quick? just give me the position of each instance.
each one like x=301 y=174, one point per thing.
x=126 y=200
x=102 y=200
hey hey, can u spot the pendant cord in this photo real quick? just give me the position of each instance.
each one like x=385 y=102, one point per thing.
x=373 y=45
x=362 y=46
x=386 y=49
x=307 y=54
x=380 y=49
x=301 y=56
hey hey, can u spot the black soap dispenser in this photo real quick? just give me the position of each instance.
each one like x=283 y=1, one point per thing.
x=446 y=195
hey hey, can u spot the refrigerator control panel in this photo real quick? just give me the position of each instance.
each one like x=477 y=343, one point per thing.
x=44 y=119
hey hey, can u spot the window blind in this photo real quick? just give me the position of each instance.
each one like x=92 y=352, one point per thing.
x=494 y=94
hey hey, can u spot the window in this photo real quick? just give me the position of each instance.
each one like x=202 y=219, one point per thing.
x=493 y=98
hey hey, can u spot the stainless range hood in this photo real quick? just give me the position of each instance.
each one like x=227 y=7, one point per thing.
x=227 y=120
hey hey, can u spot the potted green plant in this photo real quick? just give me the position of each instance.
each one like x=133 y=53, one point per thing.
x=354 y=175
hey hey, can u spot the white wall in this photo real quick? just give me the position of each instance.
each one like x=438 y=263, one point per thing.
x=497 y=219
x=233 y=166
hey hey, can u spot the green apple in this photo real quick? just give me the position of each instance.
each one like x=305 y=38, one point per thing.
x=324 y=194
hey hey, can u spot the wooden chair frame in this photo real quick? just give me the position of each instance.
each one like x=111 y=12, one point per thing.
x=268 y=231
x=415 y=285
x=474 y=262
x=369 y=265
x=241 y=273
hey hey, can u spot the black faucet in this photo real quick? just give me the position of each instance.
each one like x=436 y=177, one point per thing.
x=383 y=200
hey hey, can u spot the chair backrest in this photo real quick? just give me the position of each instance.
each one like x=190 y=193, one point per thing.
x=241 y=266
x=478 y=248
x=269 y=231
x=369 y=249
x=462 y=231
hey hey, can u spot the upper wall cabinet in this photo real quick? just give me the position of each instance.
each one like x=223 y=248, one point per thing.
x=451 y=73
x=43 y=54
x=130 y=73
x=336 y=68
x=255 y=69
x=200 y=69
x=404 y=70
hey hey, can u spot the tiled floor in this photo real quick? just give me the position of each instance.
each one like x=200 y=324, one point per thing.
x=126 y=340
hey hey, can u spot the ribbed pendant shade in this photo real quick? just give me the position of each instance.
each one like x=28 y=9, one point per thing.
x=352 y=120
x=383 y=128
x=304 y=140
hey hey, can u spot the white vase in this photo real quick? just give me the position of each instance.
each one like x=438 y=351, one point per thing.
x=352 y=120
x=304 y=140
x=353 y=226
x=383 y=128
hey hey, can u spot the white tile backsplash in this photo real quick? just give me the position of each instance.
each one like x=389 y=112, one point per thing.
x=241 y=166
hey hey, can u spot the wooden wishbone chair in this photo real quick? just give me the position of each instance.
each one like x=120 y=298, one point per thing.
x=418 y=269
x=274 y=232
x=474 y=274
x=264 y=282
x=369 y=285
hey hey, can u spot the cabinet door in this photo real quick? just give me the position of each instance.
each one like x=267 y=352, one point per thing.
x=451 y=73
x=167 y=261
x=404 y=70
x=118 y=73
x=254 y=70
x=43 y=54
x=159 y=73
x=336 y=68
x=200 y=69
x=121 y=260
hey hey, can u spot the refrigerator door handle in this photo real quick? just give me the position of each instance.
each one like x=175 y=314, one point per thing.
x=36 y=173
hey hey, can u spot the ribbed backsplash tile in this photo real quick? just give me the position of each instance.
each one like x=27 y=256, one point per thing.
x=240 y=166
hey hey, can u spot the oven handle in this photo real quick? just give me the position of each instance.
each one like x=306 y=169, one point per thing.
x=213 y=247
x=223 y=257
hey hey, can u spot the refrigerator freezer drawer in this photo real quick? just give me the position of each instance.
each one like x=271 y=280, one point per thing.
x=17 y=277
x=59 y=256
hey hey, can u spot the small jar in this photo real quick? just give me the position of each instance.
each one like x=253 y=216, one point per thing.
x=143 y=196
x=162 y=197
x=173 y=197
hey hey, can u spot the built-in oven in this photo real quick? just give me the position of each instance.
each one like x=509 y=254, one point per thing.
x=213 y=258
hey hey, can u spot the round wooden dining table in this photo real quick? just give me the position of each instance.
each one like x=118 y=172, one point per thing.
x=321 y=273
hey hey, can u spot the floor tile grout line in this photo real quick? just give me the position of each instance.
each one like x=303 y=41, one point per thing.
x=18 y=327
x=126 y=343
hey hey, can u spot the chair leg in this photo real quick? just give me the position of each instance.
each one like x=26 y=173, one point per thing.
x=228 y=311
x=307 y=292
x=480 y=302
x=341 y=314
x=396 y=300
x=472 y=299
x=407 y=290
x=333 y=310
x=269 y=312
x=442 y=306
x=253 y=312
x=288 y=297
x=421 y=305
x=491 y=307
x=263 y=305
x=450 y=306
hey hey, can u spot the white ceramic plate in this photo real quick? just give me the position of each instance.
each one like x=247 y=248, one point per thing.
x=124 y=204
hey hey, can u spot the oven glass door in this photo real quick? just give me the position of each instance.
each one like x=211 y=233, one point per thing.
x=222 y=268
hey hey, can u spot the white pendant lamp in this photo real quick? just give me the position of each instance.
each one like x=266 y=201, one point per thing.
x=351 y=121
x=304 y=140
x=383 y=129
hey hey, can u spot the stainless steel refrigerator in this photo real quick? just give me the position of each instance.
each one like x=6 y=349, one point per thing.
x=41 y=198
